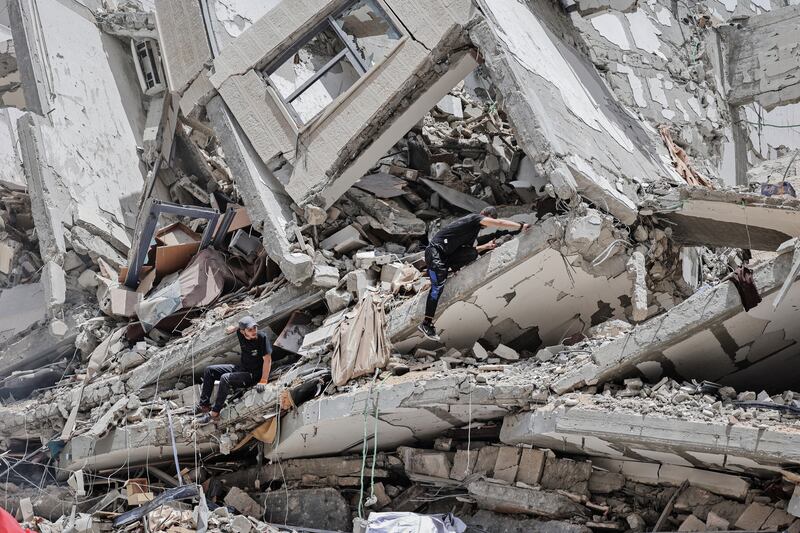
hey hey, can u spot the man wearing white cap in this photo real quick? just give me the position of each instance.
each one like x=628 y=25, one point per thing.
x=256 y=362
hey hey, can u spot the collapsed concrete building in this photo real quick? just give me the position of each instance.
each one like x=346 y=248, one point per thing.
x=624 y=365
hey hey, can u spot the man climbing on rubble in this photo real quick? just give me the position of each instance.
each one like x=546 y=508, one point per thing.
x=452 y=248
x=256 y=353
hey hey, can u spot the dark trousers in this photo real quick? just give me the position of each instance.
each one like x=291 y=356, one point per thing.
x=439 y=266
x=229 y=376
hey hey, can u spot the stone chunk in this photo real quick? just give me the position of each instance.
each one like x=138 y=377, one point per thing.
x=240 y=524
x=504 y=352
x=754 y=517
x=242 y=502
x=507 y=464
x=425 y=462
x=692 y=523
x=479 y=351
x=337 y=299
x=566 y=474
x=315 y=215
x=507 y=499
x=531 y=466
x=325 y=276
x=343 y=241
x=714 y=522
x=463 y=464
x=794 y=502
x=487 y=457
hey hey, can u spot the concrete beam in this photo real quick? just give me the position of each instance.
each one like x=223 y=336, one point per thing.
x=705 y=217
x=410 y=409
x=637 y=436
x=266 y=201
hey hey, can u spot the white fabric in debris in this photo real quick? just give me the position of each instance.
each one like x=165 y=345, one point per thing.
x=393 y=522
x=360 y=342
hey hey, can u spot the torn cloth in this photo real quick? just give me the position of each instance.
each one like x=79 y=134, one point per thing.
x=360 y=342
x=681 y=160
x=743 y=280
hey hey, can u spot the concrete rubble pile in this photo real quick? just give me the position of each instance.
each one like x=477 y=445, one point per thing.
x=626 y=364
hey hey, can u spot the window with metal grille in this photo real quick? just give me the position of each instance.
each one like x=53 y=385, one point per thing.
x=331 y=58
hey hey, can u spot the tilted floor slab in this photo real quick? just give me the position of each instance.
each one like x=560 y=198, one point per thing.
x=523 y=285
x=709 y=336
x=705 y=217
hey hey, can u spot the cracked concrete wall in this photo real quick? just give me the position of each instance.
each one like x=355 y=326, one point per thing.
x=709 y=336
x=665 y=67
x=228 y=19
x=80 y=158
x=564 y=116
x=765 y=59
x=330 y=153
x=649 y=437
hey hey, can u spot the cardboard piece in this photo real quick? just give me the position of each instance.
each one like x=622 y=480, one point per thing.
x=177 y=233
x=170 y=259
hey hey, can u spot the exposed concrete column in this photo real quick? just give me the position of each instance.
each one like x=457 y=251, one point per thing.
x=264 y=197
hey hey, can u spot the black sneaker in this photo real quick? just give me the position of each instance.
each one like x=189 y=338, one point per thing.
x=201 y=409
x=207 y=418
x=428 y=331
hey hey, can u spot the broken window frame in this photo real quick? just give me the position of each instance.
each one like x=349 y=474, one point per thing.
x=349 y=51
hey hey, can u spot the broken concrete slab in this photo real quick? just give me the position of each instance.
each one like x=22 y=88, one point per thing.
x=703 y=217
x=457 y=198
x=763 y=64
x=506 y=499
x=476 y=303
x=598 y=433
x=343 y=241
x=30 y=308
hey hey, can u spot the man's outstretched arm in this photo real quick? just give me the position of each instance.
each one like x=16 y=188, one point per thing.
x=504 y=223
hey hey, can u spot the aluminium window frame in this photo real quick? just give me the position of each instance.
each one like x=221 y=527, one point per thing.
x=349 y=51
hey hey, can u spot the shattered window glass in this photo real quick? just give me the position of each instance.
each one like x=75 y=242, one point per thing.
x=332 y=58
x=370 y=32
x=306 y=62
x=325 y=90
